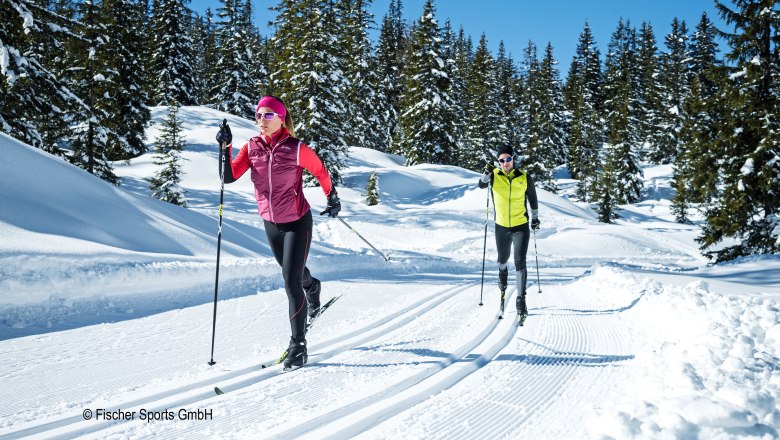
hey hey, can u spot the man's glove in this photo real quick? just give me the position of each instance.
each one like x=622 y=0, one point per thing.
x=334 y=204
x=488 y=169
x=224 y=136
x=535 y=224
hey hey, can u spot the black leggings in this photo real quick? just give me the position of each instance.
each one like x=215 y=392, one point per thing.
x=290 y=245
x=517 y=236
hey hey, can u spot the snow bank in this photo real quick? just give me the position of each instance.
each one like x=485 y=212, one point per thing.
x=710 y=367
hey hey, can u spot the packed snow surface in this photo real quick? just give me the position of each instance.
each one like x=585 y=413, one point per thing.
x=106 y=305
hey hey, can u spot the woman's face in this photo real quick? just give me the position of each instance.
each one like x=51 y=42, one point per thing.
x=268 y=126
x=506 y=165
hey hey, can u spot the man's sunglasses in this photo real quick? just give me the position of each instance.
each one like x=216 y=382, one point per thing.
x=505 y=160
x=267 y=116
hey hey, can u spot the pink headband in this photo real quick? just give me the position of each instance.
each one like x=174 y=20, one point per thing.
x=272 y=103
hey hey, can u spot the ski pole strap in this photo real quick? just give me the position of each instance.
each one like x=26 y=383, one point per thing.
x=361 y=237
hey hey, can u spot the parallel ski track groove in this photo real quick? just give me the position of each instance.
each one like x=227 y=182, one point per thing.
x=69 y=427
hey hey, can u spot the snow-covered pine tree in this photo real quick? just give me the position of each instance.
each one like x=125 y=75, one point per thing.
x=388 y=65
x=426 y=121
x=747 y=211
x=582 y=96
x=35 y=100
x=482 y=113
x=365 y=128
x=621 y=162
x=372 y=190
x=234 y=90
x=675 y=73
x=308 y=75
x=529 y=107
x=694 y=179
x=549 y=124
x=168 y=148
x=172 y=59
x=507 y=96
x=650 y=107
x=461 y=52
x=128 y=111
x=93 y=77
x=205 y=57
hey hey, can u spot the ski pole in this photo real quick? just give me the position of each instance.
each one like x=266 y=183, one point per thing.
x=536 y=254
x=219 y=242
x=361 y=237
x=484 y=244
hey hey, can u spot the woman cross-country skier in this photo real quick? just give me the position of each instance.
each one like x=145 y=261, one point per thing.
x=512 y=188
x=277 y=160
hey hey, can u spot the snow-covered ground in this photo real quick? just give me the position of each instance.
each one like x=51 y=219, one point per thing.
x=106 y=302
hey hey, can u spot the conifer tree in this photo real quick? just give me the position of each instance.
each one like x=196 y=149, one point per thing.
x=529 y=106
x=35 y=99
x=674 y=84
x=621 y=180
x=388 y=65
x=507 y=96
x=549 y=124
x=650 y=106
x=168 y=148
x=426 y=121
x=372 y=190
x=172 y=58
x=127 y=109
x=234 y=89
x=585 y=133
x=309 y=76
x=484 y=126
x=461 y=52
x=362 y=95
x=747 y=210
x=694 y=179
x=205 y=57
x=94 y=78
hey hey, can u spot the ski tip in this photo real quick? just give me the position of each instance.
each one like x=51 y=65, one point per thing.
x=218 y=391
x=500 y=317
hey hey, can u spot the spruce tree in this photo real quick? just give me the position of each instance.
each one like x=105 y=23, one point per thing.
x=650 y=105
x=621 y=181
x=701 y=147
x=426 y=121
x=674 y=84
x=461 y=52
x=172 y=57
x=388 y=65
x=507 y=96
x=35 y=100
x=372 y=190
x=234 y=88
x=585 y=129
x=93 y=77
x=482 y=113
x=309 y=76
x=747 y=211
x=549 y=124
x=168 y=148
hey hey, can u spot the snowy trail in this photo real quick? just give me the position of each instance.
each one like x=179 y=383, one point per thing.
x=565 y=357
x=172 y=360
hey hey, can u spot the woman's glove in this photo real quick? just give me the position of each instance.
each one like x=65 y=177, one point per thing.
x=334 y=204
x=224 y=136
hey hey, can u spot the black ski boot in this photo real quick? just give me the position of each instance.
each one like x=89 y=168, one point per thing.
x=522 y=309
x=313 y=298
x=296 y=354
x=503 y=275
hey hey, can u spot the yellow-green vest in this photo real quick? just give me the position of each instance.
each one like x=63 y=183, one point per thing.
x=509 y=197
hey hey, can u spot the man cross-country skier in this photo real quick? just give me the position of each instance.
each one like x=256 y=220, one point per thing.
x=512 y=188
x=277 y=160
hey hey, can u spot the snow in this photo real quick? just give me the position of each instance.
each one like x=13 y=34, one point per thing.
x=106 y=303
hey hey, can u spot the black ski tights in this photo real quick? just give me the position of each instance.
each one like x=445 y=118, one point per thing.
x=290 y=245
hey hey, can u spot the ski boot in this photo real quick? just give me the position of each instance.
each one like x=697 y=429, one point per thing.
x=296 y=354
x=503 y=276
x=522 y=309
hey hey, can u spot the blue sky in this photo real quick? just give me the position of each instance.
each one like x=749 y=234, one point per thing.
x=518 y=21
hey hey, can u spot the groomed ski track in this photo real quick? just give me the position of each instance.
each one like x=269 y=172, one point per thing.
x=364 y=374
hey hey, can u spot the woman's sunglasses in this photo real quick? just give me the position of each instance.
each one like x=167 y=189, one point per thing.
x=267 y=116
